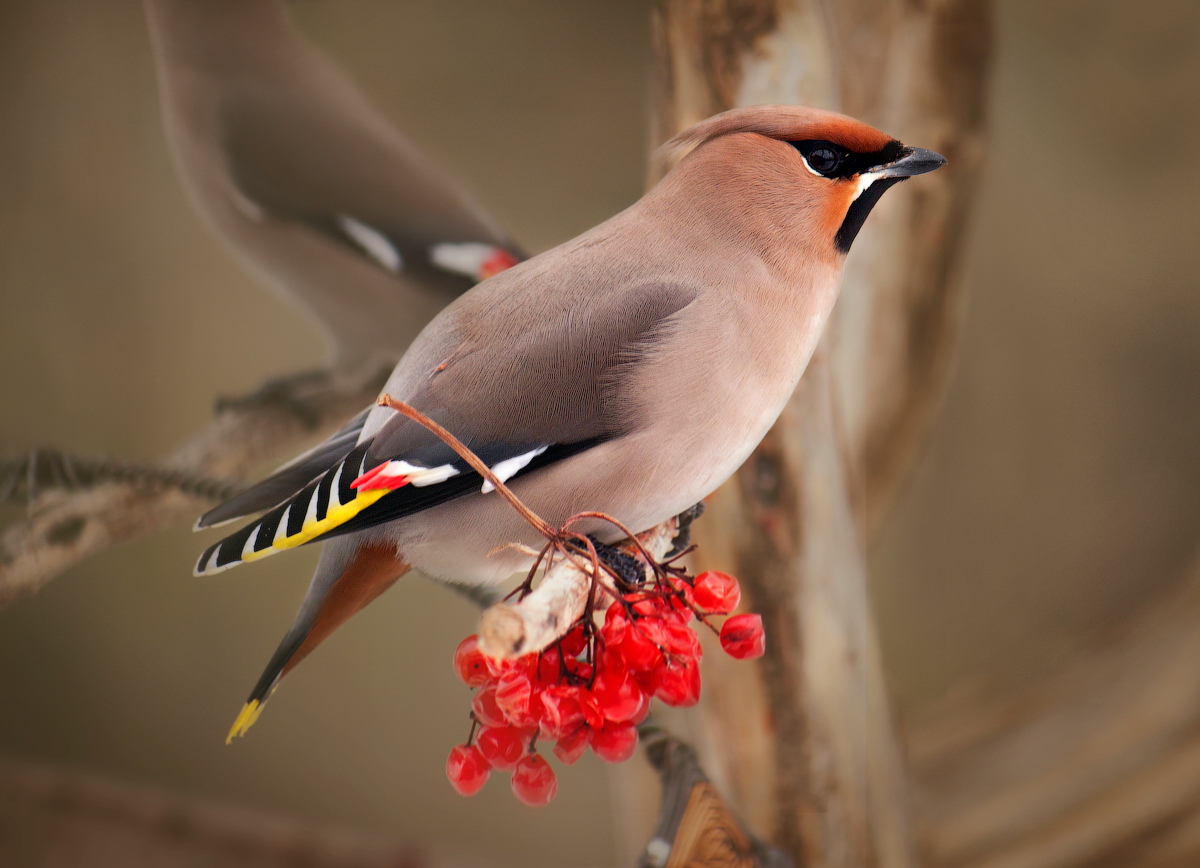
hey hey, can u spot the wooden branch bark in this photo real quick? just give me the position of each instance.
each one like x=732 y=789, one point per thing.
x=64 y=527
x=807 y=753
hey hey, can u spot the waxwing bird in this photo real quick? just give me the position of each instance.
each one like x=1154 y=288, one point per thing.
x=309 y=184
x=629 y=371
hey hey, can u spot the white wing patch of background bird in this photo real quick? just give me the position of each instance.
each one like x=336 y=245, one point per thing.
x=373 y=242
x=466 y=257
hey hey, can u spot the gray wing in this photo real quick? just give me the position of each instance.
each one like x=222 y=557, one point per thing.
x=289 y=478
x=556 y=390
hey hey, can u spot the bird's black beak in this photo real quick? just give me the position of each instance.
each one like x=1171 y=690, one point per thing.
x=913 y=161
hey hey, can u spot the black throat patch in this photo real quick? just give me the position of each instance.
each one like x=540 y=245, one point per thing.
x=859 y=209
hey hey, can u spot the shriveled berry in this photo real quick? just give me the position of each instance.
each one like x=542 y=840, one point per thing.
x=717 y=592
x=485 y=708
x=679 y=683
x=593 y=715
x=615 y=743
x=467 y=770
x=503 y=746
x=533 y=781
x=561 y=712
x=572 y=746
x=518 y=699
x=526 y=663
x=742 y=637
x=469 y=662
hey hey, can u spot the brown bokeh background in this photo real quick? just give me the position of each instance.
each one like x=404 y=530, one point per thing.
x=1060 y=487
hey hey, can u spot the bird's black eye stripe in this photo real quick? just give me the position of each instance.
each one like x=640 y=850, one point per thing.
x=833 y=161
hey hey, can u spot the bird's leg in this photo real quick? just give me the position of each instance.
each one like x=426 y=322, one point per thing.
x=683 y=533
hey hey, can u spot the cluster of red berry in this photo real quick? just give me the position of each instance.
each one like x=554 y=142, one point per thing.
x=593 y=686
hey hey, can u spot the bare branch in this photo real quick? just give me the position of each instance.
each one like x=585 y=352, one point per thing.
x=66 y=526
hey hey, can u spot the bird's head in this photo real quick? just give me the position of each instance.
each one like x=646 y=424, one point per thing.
x=835 y=166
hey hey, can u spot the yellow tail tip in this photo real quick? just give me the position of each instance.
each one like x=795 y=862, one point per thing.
x=245 y=719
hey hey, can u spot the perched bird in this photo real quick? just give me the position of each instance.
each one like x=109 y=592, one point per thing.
x=628 y=371
x=309 y=184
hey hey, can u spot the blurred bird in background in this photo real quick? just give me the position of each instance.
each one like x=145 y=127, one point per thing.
x=310 y=185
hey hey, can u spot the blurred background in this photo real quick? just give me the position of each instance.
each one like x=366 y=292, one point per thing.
x=1060 y=487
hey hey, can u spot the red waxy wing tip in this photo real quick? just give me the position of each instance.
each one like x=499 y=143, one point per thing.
x=376 y=478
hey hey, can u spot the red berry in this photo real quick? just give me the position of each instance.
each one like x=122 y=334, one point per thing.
x=643 y=712
x=682 y=640
x=503 y=746
x=518 y=700
x=649 y=606
x=679 y=683
x=574 y=642
x=742 y=637
x=485 y=708
x=637 y=649
x=593 y=715
x=533 y=781
x=618 y=694
x=549 y=668
x=571 y=747
x=561 y=712
x=717 y=592
x=616 y=622
x=526 y=663
x=467 y=770
x=615 y=743
x=469 y=662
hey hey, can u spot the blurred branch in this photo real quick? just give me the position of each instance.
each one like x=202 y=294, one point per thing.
x=66 y=525
x=1096 y=763
x=695 y=826
x=24 y=477
x=73 y=818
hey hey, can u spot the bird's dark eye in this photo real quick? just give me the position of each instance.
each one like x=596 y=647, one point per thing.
x=824 y=160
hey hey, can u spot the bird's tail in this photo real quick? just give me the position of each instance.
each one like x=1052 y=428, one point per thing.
x=349 y=576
